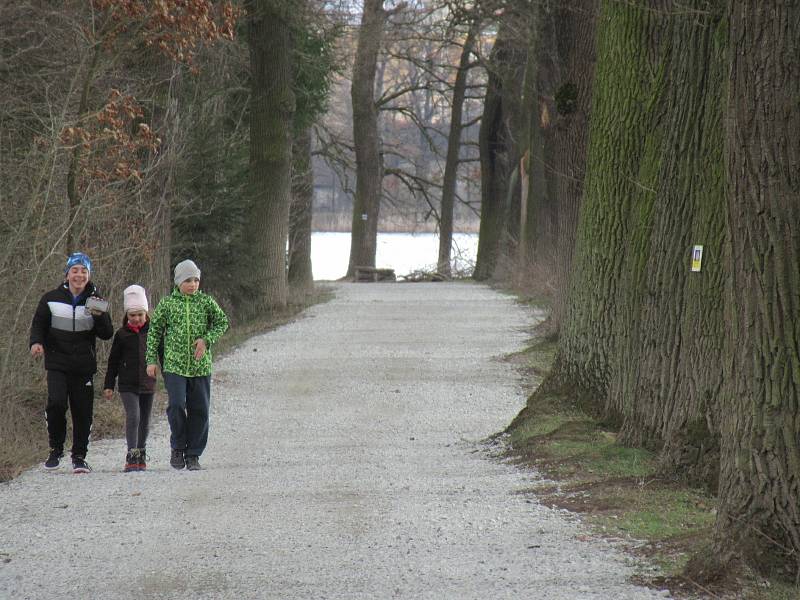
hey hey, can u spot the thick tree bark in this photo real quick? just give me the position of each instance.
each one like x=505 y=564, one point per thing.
x=615 y=215
x=301 y=278
x=271 y=114
x=494 y=172
x=453 y=152
x=502 y=141
x=669 y=377
x=760 y=467
x=369 y=161
x=559 y=138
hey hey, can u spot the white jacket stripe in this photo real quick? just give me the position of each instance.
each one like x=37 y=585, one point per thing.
x=61 y=317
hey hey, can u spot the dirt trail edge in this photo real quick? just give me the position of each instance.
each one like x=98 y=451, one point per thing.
x=344 y=461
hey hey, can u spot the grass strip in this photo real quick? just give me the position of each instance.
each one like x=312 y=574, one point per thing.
x=619 y=491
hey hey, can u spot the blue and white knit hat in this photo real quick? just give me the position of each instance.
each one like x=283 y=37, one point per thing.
x=78 y=258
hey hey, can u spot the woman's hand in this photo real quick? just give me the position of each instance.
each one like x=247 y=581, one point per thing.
x=107 y=393
x=152 y=370
x=37 y=350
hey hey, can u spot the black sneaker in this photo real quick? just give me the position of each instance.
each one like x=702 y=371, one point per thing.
x=193 y=463
x=177 y=460
x=79 y=465
x=142 y=459
x=53 y=460
x=132 y=460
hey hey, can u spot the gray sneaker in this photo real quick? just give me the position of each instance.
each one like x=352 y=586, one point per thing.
x=177 y=459
x=193 y=463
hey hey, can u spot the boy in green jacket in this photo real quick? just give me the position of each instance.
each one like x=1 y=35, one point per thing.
x=189 y=322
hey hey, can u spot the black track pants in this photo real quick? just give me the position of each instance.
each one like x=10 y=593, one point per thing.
x=76 y=392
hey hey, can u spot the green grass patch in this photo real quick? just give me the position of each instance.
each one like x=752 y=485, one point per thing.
x=536 y=428
x=661 y=514
x=612 y=460
x=671 y=564
x=571 y=442
x=598 y=455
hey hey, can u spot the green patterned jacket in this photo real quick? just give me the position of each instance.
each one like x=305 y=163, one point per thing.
x=180 y=319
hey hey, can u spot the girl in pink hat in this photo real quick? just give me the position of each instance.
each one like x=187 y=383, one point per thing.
x=127 y=366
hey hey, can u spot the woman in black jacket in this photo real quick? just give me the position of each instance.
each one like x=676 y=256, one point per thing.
x=127 y=366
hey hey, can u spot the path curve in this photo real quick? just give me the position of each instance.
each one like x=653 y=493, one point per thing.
x=344 y=461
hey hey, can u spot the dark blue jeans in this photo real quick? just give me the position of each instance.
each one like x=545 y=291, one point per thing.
x=187 y=412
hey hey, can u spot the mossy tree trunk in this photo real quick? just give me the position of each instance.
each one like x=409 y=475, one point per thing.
x=559 y=138
x=644 y=335
x=502 y=139
x=300 y=276
x=366 y=139
x=760 y=467
x=269 y=185
x=668 y=381
x=615 y=214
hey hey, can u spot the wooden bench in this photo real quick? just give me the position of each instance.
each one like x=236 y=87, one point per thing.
x=373 y=274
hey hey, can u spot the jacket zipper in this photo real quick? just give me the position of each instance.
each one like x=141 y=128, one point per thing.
x=188 y=335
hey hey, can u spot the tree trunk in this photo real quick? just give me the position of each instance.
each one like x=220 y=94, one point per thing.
x=453 y=153
x=560 y=132
x=670 y=376
x=501 y=142
x=158 y=270
x=301 y=278
x=760 y=467
x=74 y=194
x=622 y=165
x=271 y=114
x=369 y=161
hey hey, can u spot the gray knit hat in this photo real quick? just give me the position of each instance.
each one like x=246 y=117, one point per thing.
x=184 y=270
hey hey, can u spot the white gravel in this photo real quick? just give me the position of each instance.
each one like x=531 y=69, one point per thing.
x=344 y=461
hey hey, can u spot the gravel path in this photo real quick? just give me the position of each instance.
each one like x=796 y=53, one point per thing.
x=344 y=461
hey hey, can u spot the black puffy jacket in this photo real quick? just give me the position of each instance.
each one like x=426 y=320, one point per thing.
x=68 y=331
x=126 y=363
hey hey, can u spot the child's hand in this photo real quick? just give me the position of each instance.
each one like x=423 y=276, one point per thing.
x=199 y=348
x=152 y=370
x=37 y=350
x=107 y=393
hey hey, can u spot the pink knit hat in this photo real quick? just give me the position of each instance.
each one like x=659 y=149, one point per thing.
x=134 y=298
